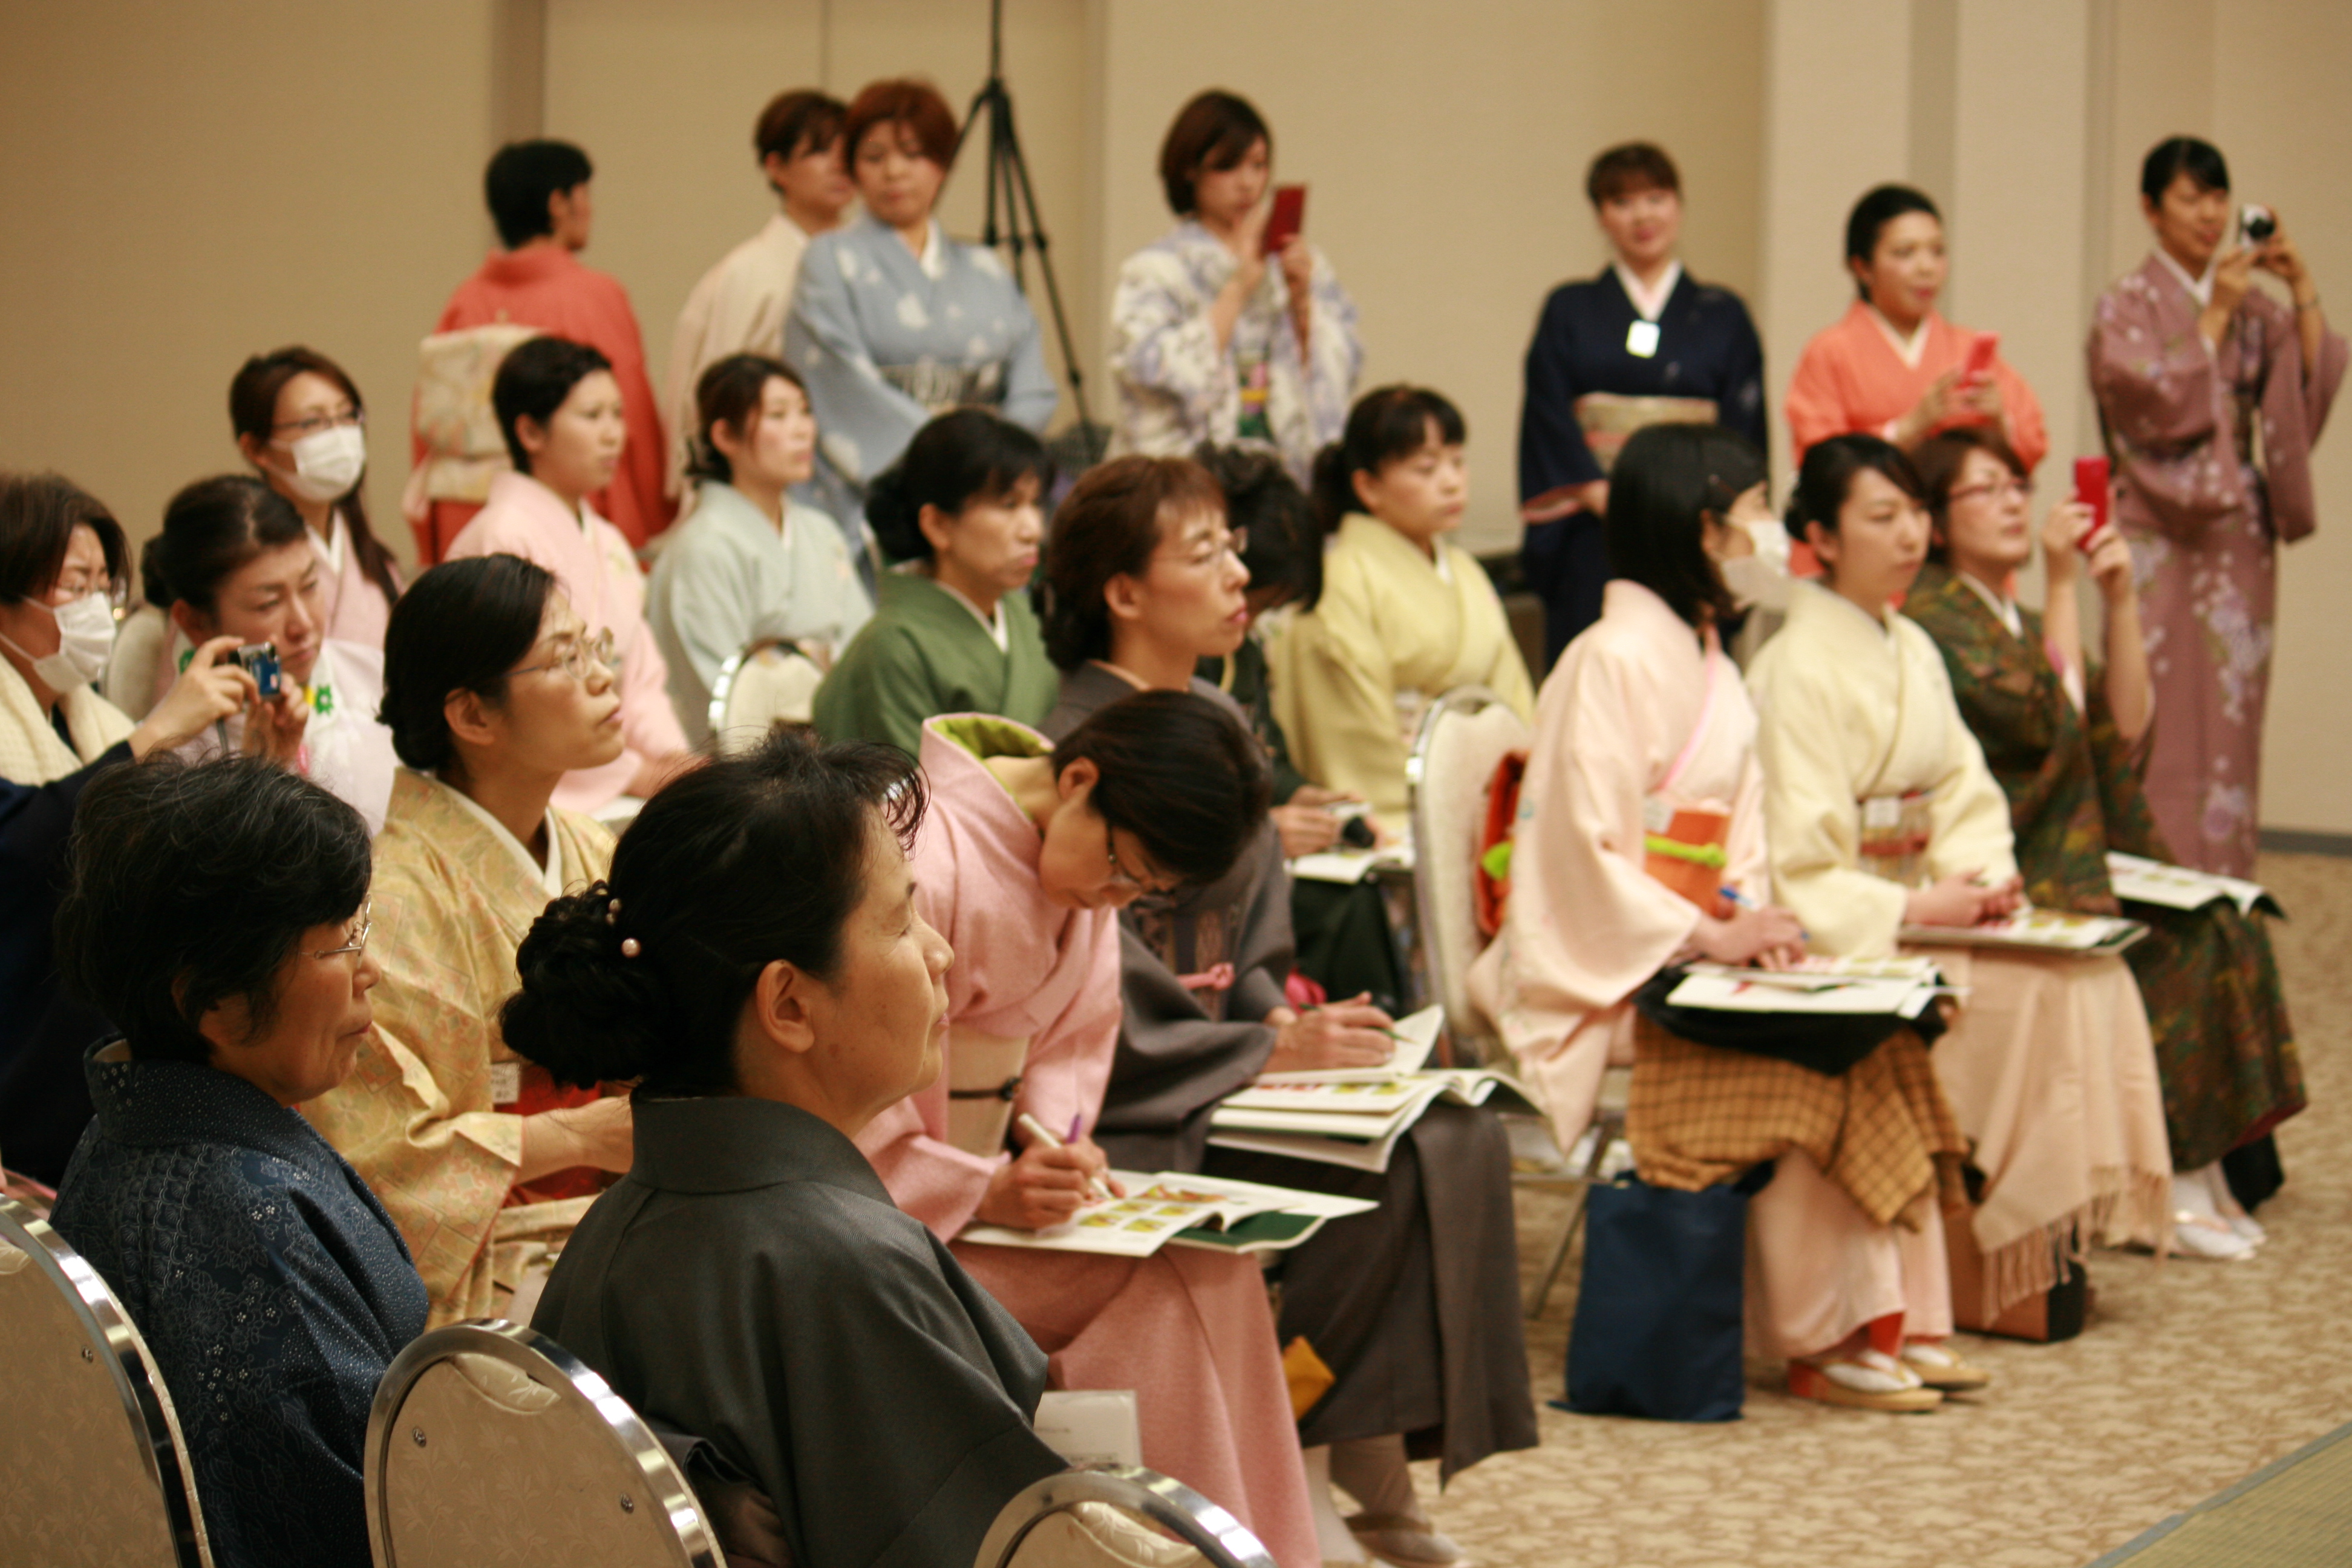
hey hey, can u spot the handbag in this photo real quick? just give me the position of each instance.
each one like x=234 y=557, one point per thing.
x=1659 y=1314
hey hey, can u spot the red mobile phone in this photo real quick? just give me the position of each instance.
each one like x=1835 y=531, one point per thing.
x=1290 y=216
x=1982 y=353
x=2091 y=475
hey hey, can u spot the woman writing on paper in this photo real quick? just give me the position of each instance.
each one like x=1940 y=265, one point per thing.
x=2067 y=736
x=1027 y=854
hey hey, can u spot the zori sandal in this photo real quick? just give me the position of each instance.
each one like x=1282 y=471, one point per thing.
x=1867 y=1380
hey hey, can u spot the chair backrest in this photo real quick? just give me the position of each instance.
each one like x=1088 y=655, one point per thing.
x=491 y=1443
x=770 y=682
x=1463 y=736
x=95 y=1471
x=1117 y=1516
x=134 y=666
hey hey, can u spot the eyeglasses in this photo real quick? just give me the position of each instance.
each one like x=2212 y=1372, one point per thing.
x=312 y=423
x=1121 y=877
x=1215 y=546
x=358 y=944
x=579 y=657
x=2021 y=489
x=72 y=585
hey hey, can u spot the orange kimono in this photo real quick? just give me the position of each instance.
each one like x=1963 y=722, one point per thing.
x=1852 y=378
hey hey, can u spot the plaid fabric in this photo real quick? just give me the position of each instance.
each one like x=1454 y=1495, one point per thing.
x=1698 y=1116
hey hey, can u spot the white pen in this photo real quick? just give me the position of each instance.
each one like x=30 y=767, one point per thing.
x=1039 y=1132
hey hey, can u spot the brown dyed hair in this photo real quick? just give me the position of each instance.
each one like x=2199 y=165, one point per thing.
x=1212 y=131
x=730 y=393
x=39 y=513
x=1939 y=462
x=803 y=117
x=1628 y=167
x=910 y=102
x=1109 y=525
x=253 y=411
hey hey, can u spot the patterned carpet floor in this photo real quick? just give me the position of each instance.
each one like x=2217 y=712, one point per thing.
x=2191 y=1376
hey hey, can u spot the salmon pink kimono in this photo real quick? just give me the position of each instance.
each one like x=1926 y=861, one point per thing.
x=1189 y=1331
x=356 y=608
x=1853 y=379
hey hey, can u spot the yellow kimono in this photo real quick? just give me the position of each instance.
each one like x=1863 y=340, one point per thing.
x=419 y=1117
x=1393 y=632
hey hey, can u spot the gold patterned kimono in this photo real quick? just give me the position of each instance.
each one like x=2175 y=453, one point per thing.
x=420 y=1117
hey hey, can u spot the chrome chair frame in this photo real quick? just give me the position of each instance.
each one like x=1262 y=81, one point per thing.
x=723 y=684
x=1201 y=1524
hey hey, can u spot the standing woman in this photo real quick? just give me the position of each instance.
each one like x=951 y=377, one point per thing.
x=893 y=322
x=1213 y=339
x=1893 y=367
x=2197 y=375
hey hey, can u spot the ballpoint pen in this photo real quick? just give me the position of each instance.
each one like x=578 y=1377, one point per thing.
x=1041 y=1133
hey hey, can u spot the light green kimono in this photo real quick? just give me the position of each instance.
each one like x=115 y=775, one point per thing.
x=926 y=653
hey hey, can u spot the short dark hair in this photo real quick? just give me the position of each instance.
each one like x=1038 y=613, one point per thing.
x=1879 y=205
x=730 y=393
x=1283 y=549
x=1938 y=462
x=1215 y=130
x=1628 y=167
x=1178 y=771
x=1108 y=526
x=1665 y=483
x=744 y=862
x=963 y=456
x=459 y=627
x=802 y=119
x=535 y=379
x=253 y=411
x=1388 y=424
x=905 y=100
x=211 y=529
x=39 y=513
x=522 y=175
x=2178 y=155
x=189 y=884
x=1826 y=477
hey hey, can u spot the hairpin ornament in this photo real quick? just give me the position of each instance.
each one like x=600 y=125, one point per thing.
x=613 y=912
x=629 y=948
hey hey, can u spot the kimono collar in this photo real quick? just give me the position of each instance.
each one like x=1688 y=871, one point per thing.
x=2004 y=608
x=993 y=623
x=548 y=877
x=517 y=489
x=2200 y=289
x=1648 y=303
x=160 y=1104
x=531 y=264
x=1816 y=601
x=734 y=1143
x=724 y=499
x=934 y=259
x=330 y=550
x=1908 y=349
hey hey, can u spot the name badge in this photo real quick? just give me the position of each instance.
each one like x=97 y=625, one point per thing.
x=506 y=1082
x=1642 y=339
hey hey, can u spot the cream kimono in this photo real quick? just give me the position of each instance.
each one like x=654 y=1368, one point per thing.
x=2049 y=1066
x=1394 y=631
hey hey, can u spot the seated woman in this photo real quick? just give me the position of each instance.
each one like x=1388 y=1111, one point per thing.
x=560 y=411
x=219 y=915
x=1404 y=616
x=61 y=578
x=2066 y=740
x=759 y=961
x=1415 y=1307
x=1209 y=342
x=494 y=691
x=234 y=560
x=952 y=631
x=747 y=563
x=1644 y=718
x=1029 y=851
x=1879 y=813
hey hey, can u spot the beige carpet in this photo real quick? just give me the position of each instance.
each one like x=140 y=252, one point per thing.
x=2191 y=1376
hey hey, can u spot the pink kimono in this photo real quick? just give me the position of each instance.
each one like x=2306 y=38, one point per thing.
x=1852 y=379
x=593 y=562
x=356 y=609
x=2203 y=518
x=1189 y=1331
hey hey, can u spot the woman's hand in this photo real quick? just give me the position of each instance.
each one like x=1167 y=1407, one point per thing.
x=2062 y=531
x=2233 y=274
x=1315 y=795
x=1305 y=829
x=1939 y=403
x=600 y=1134
x=1347 y=1034
x=206 y=692
x=2279 y=256
x=1961 y=899
x=1044 y=1186
x=1769 y=938
x=274 y=726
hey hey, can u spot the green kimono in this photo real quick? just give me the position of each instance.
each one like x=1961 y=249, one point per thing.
x=2215 y=1006
x=925 y=653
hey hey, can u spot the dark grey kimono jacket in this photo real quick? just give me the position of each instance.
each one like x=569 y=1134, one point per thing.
x=751 y=1283
x=1415 y=1306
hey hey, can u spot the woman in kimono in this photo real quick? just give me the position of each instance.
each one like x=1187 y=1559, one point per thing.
x=748 y=564
x=1892 y=367
x=2211 y=394
x=1413 y=1306
x=2065 y=735
x=560 y=411
x=299 y=421
x=893 y=322
x=494 y=690
x=1879 y=813
x=1028 y=853
x=952 y=631
x=1643 y=344
x=1642 y=719
x=1405 y=615
x=234 y=560
x=759 y=961
x=1208 y=341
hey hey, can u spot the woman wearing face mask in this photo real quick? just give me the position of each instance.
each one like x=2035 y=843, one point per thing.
x=300 y=422
x=1893 y=367
x=1880 y=812
x=233 y=560
x=494 y=690
x=61 y=577
x=1211 y=338
x=559 y=409
x=748 y=564
x=1405 y=615
x=1029 y=851
x=952 y=631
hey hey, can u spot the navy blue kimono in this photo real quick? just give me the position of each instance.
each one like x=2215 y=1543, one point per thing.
x=1707 y=348
x=269 y=1283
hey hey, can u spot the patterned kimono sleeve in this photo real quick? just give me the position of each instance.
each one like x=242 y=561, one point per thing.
x=1161 y=342
x=862 y=422
x=2159 y=393
x=1335 y=354
x=2122 y=766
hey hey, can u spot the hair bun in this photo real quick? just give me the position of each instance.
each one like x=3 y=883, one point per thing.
x=589 y=1011
x=891 y=513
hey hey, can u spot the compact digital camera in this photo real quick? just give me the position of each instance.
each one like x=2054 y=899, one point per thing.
x=260 y=661
x=2255 y=222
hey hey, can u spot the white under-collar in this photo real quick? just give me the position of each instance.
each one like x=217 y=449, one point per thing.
x=549 y=877
x=1999 y=603
x=992 y=625
x=1649 y=302
x=2200 y=288
x=934 y=259
x=1909 y=347
x=331 y=548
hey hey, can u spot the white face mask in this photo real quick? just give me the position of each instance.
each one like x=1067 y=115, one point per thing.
x=327 y=463
x=1762 y=578
x=85 y=643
